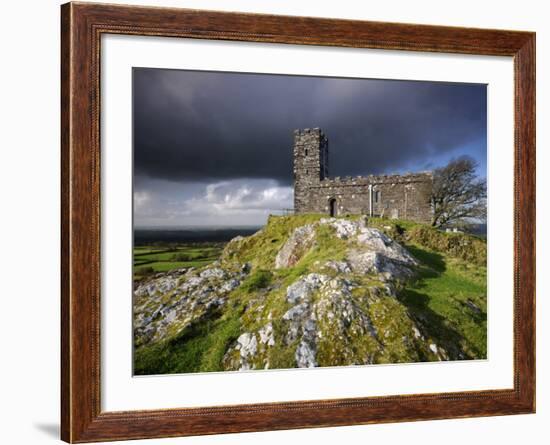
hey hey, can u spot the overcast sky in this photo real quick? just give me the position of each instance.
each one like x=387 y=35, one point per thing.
x=215 y=149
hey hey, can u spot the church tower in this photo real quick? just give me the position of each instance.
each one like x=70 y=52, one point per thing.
x=310 y=166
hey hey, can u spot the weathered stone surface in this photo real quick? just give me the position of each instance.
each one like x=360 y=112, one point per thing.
x=170 y=302
x=332 y=316
x=340 y=310
x=229 y=285
x=303 y=288
x=305 y=355
x=296 y=312
x=335 y=309
x=297 y=245
x=162 y=284
x=266 y=335
x=344 y=228
x=248 y=345
x=338 y=266
x=378 y=241
x=379 y=254
x=214 y=272
x=393 y=196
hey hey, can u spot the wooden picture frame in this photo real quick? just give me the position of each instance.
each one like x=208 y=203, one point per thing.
x=82 y=25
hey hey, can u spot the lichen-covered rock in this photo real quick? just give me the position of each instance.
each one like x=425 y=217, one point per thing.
x=305 y=354
x=342 y=320
x=230 y=285
x=247 y=345
x=266 y=335
x=369 y=251
x=378 y=241
x=377 y=253
x=296 y=312
x=324 y=292
x=296 y=246
x=160 y=285
x=241 y=356
x=168 y=303
x=214 y=272
x=338 y=266
x=344 y=228
x=376 y=263
x=303 y=288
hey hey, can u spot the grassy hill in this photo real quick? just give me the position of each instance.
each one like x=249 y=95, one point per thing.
x=311 y=291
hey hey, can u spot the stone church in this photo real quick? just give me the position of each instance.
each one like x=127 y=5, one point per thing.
x=392 y=196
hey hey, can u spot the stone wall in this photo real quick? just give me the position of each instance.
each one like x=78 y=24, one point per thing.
x=393 y=196
x=310 y=164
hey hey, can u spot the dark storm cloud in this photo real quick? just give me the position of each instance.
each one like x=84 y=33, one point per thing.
x=203 y=126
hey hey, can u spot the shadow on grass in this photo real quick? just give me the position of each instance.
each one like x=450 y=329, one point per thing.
x=434 y=325
x=432 y=265
x=200 y=347
x=179 y=354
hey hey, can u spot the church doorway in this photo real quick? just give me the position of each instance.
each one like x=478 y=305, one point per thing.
x=332 y=207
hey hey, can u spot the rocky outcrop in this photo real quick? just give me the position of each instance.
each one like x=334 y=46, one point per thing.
x=171 y=302
x=324 y=294
x=371 y=251
x=297 y=245
x=344 y=229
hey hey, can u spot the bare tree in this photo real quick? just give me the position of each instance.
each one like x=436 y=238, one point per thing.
x=458 y=194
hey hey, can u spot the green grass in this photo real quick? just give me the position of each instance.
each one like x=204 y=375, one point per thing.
x=260 y=249
x=449 y=296
x=198 y=348
x=447 y=299
x=259 y=279
x=147 y=249
x=444 y=298
x=153 y=259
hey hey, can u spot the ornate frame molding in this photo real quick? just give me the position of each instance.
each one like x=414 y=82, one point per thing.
x=82 y=25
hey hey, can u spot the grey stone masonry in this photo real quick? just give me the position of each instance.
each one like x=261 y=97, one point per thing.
x=393 y=196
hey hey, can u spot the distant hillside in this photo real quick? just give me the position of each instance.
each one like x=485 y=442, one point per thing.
x=308 y=291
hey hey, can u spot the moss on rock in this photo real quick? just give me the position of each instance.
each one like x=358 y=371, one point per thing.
x=423 y=298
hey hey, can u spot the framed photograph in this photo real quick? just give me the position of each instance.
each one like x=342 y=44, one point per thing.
x=274 y=222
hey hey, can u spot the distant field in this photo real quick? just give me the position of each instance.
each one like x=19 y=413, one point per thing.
x=149 y=259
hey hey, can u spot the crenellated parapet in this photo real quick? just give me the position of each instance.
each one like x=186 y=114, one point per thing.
x=396 y=196
x=377 y=179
